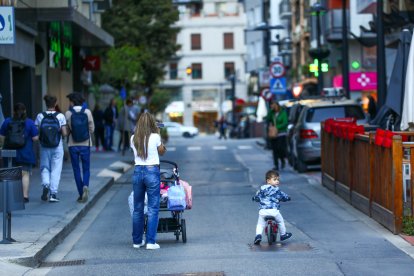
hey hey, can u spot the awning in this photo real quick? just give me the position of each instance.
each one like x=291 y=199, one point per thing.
x=87 y=33
x=176 y=106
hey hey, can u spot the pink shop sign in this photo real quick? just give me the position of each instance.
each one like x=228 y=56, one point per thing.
x=358 y=81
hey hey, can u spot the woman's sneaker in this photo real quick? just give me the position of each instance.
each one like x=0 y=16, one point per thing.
x=258 y=239
x=139 y=245
x=153 y=246
x=53 y=198
x=45 y=193
x=285 y=236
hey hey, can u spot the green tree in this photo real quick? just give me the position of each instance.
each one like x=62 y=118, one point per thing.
x=159 y=101
x=148 y=26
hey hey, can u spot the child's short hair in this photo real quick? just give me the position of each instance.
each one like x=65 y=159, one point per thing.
x=272 y=173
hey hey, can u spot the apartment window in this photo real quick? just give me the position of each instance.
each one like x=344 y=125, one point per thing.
x=197 y=71
x=228 y=69
x=228 y=41
x=195 y=41
x=173 y=71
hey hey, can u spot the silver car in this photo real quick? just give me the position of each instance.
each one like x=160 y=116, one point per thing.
x=306 y=138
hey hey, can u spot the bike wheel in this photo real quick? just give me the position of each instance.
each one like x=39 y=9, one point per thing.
x=269 y=231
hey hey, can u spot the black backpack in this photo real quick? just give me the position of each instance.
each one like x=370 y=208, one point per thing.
x=79 y=125
x=15 y=138
x=49 y=129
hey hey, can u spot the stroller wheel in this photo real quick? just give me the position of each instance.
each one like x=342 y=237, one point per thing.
x=183 y=231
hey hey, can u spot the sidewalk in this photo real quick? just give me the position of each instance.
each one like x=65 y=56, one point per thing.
x=42 y=225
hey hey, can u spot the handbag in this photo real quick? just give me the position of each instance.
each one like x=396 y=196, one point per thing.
x=272 y=130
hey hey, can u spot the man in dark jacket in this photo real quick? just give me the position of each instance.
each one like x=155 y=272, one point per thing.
x=110 y=117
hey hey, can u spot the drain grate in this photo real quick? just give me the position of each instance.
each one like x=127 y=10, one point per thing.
x=62 y=263
x=194 y=274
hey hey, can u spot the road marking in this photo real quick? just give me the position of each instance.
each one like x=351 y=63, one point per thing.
x=219 y=147
x=171 y=148
x=244 y=147
x=193 y=148
x=109 y=173
x=118 y=164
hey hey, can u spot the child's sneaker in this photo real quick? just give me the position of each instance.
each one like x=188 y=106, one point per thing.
x=285 y=236
x=258 y=239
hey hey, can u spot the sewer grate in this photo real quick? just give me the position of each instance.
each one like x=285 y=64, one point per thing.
x=62 y=263
x=194 y=274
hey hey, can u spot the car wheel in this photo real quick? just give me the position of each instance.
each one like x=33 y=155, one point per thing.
x=186 y=134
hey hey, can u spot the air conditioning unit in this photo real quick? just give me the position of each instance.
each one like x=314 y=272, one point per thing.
x=406 y=180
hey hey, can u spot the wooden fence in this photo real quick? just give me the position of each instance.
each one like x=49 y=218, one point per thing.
x=369 y=176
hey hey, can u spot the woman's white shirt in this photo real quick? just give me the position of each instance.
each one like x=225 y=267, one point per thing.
x=153 y=143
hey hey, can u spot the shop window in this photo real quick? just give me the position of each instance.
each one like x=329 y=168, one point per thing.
x=195 y=41
x=228 y=41
x=197 y=71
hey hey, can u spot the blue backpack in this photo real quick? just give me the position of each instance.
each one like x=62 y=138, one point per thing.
x=49 y=129
x=79 y=125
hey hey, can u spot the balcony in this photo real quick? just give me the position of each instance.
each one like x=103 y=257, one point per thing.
x=333 y=25
x=285 y=11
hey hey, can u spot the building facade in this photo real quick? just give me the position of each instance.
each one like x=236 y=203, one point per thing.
x=53 y=37
x=212 y=49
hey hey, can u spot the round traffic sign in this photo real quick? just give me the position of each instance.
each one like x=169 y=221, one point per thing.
x=277 y=70
x=266 y=94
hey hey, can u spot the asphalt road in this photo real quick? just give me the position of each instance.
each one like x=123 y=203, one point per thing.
x=329 y=236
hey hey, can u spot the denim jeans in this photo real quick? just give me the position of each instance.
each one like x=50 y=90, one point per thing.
x=83 y=153
x=51 y=161
x=145 y=179
x=109 y=134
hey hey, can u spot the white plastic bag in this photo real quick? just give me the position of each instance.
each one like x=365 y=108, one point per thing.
x=131 y=203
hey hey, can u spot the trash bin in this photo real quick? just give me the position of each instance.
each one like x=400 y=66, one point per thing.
x=12 y=179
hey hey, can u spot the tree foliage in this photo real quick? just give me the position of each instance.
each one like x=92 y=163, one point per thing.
x=145 y=25
x=159 y=101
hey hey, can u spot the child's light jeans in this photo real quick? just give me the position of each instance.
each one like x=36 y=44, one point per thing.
x=261 y=223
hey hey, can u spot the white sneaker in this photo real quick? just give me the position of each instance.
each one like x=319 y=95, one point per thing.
x=139 y=245
x=153 y=246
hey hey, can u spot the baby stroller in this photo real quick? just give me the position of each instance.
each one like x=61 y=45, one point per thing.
x=175 y=197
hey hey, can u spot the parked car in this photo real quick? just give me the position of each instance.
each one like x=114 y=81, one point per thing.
x=306 y=140
x=177 y=129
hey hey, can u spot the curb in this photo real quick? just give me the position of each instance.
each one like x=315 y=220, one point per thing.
x=33 y=261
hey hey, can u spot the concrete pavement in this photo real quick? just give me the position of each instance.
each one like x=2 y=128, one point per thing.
x=42 y=225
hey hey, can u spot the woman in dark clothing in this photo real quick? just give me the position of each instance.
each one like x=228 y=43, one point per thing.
x=98 y=119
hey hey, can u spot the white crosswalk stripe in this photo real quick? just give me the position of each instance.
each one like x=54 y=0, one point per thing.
x=245 y=147
x=171 y=148
x=219 y=147
x=193 y=148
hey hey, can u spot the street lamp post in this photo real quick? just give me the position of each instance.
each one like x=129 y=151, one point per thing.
x=345 y=58
x=381 y=70
x=317 y=8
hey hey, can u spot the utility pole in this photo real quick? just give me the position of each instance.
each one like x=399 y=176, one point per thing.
x=345 y=57
x=233 y=99
x=318 y=43
x=381 y=70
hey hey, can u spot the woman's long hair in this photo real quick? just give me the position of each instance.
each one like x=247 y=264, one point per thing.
x=19 y=111
x=143 y=129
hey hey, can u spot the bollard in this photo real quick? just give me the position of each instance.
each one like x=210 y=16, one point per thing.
x=8 y=177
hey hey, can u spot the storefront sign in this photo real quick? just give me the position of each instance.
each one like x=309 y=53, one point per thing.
x=7 y=31
x=365 y=81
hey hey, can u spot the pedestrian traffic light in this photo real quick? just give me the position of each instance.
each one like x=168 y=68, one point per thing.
x=313 y=67
x=189 y=70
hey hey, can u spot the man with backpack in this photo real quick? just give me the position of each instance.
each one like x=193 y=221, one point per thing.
x=52 y=126
x=18 y=133
x=81 y=127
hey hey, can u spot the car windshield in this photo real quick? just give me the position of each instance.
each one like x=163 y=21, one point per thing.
x=322 y=113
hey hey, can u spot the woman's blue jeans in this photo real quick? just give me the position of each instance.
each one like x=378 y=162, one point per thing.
x=145 y=179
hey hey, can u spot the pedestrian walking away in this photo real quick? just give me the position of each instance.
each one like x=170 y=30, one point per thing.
x=278 y=117
x=110 y=117
x=147 y=147
x=126 y=123
x=52 y=127
x=269 y=196
x=222 y=127
x=18 y=133
x=98 y=119
x=80 y=123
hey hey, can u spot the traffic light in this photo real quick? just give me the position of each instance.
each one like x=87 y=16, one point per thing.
x=189 y=71
x=313 y=67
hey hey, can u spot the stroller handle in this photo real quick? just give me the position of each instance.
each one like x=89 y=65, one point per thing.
x=170 y=162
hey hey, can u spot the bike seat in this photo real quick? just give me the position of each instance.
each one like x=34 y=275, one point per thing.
x=266 y=218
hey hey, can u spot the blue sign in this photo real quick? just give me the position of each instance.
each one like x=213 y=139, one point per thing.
x=278 y=85
x=7 y=34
